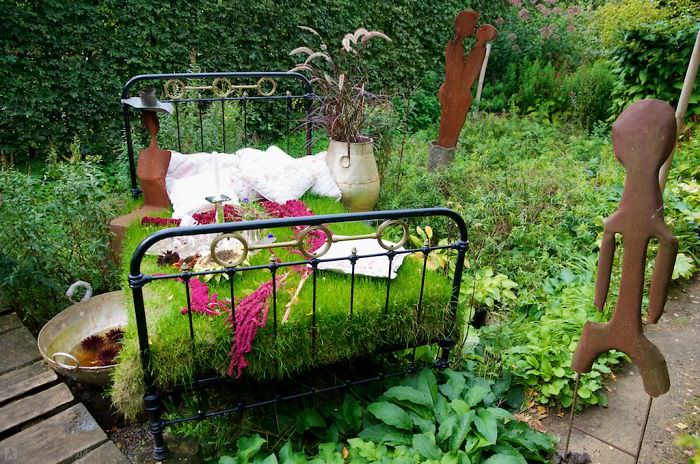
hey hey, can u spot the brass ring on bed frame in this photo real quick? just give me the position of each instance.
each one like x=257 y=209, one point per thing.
x=215 y=242
x=386 y=224
x=221 y=87
x=321 y=251
x=272 y=89
x=174 y=89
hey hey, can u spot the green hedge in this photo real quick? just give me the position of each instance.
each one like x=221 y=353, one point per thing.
x=63 y=63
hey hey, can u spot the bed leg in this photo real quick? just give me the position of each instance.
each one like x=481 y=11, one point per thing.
x=155 y=426
x=446 y=345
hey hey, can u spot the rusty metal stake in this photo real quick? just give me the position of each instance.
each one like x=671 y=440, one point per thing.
x=644 y=429
x=573 y=410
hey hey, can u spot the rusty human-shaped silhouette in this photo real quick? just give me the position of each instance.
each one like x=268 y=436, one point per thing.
x=643 y=137
x=455 y=93
x=152 y=165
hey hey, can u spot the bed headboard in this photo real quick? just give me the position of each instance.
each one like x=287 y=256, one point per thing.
x=207 y=94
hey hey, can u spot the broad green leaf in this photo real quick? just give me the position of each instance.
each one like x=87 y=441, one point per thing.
x=249 y=446
x=288 y=456
x=477 y=393
x=454 y=386
x=391 y=414
x=382 y=433
x=309 y=418
x=428 y=382
x=410 y=394
x=271 y=459
x=505 y=459
x=227 y=460
x=424 y=444
x=461 y=430
x=487 y=425
x=459 y=406
x=447 y=428
x=352 y=412
x=423 y=424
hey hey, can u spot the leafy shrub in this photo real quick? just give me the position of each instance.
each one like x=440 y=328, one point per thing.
x=454 y=417
x=651 y=63
x=55 y=230
x=589 y=91
x=612 y=18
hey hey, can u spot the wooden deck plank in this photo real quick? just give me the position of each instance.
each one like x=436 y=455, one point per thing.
x=18 y=349
x=9 y=322
x=105 y=454
x=56 y=440
x=25 y=379
x=28 y=408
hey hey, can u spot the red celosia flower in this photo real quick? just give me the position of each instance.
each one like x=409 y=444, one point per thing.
x=158 y=221
x=231 y=214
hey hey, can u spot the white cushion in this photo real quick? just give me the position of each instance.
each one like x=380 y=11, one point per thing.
x=324 y=184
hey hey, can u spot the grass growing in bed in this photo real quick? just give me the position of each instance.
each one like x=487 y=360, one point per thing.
x=289 y=350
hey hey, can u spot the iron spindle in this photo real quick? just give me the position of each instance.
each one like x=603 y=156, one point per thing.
x=273 y=271
x=201 y=127
x=353 y=261
x=287 y=116
x=177 y=124
x=223 y=124
x=193 y=345
x=390 y=254
x=245 y=117
x=314 y=269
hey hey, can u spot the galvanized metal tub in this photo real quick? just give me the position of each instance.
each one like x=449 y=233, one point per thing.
x=67 y=329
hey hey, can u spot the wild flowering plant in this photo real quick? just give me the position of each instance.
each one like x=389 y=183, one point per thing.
x=341 y=79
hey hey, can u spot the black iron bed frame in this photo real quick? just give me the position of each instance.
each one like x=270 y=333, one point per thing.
x=198 y=386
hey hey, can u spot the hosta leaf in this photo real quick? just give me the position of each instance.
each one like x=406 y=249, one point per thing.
x=454 y=386
x=487 y=425
x=424 y=444
x=391 y=414
x=505 y=459
x=382 y=433
x=461 y=430
x=352 y=412
x=410 y=394
x=428 y=383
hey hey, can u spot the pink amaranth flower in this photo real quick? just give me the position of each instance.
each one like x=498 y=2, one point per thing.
x=516 y=3
x=251 y=314
x=557 y=10
x=574 y=10
x=201 y=303
x=523 y=14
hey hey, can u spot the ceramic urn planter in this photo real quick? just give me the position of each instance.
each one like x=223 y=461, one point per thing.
x=355 y=171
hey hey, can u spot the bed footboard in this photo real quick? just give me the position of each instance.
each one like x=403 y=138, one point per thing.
x=411 y=298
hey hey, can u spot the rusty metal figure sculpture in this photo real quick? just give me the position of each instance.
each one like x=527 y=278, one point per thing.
x=643 y=138
x=455 y=93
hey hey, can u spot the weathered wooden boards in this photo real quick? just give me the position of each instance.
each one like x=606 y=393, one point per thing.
x=24 y=380
x=38 y=421
x=18 y=349
x=33 y=406
x=57 y=439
